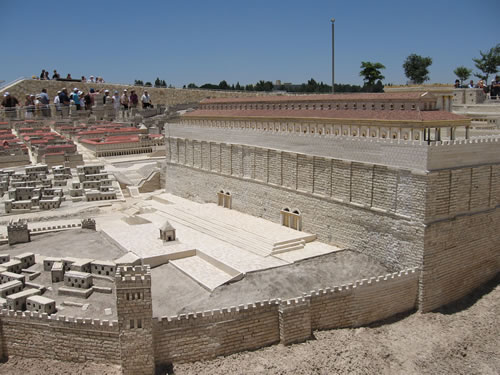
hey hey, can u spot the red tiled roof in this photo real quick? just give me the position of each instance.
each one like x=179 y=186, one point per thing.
x=367 y=114
x=322 y=97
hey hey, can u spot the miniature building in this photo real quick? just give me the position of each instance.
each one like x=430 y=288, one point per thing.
x=41 y=304
x=27 y=259
x=18 y=232
x=10 y=287
x=67 y=262
x=81 y=265
x=88 y=224
x=13 y=266
x=7 y=276
x=48 y=262
x=75 y=279
x=167 y=232
x=3 y=303
x=57 y=272
x=17 y=301
x=4 y=258
x=102 y=267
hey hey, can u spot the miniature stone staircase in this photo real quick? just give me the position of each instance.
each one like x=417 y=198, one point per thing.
x=236 y=236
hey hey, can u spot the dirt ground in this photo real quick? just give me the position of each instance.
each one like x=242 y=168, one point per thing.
x=175 y=293
x=462 y=338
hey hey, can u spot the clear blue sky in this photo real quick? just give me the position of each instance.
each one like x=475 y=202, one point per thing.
x=207 y=41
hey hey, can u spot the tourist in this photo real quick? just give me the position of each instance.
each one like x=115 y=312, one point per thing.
x=471 y=84
x=495 y=88
x=124 y=100
x=10 y=102
x=88 y=101
x=83 y=79
x=116 y=102
x=91 y=79
x=37 y=104
x=76 y=99
x=46 y=76
x=145 y=100
x=45 y=100
x=69 y=76
x=92 y=95
x=134 y=99
x=63 y=97
x=457 y=84
x=29 y=106
x=106 y=98
x=42 y=74
x=57 y=103
x=55 y=75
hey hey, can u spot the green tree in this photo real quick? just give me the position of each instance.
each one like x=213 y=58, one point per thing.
x=488 y=63
x=157 y=82
x=264 y=86
x=148 y=84
x=192 y=86
x=371 y=72
x=462 y=73
x=415 y=67
x=138 y=82
x=223 y=85
x=249 y=87
x=238 y=86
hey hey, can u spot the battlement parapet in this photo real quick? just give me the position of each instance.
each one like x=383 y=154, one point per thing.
x=211 y=316
x=19 y=225
x=60 y=321
x=349 y=288
x=133 y=276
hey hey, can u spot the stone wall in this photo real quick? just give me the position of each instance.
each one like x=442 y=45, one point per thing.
x=379 y=230
x=168 y=96
x=66 y=339
x=214 y=333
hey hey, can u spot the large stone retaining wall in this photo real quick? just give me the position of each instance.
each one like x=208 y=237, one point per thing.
x=349 y=218
x=66 y=339
x=168 y=96
x=209 y=334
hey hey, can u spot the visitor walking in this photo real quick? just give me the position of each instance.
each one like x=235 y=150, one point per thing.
x=55 y=75
x=57 y=103
x=116 y=102
x=76 y=99
x=124 y=101
x=495 y=88
x=29 y=106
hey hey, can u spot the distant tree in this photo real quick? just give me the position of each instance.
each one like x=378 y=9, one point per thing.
x=223 y=85
x=371 y=72
x=238 y=87
x=192 y=86
x=157 y=82
x=163 y=83
x=264 y=86
x=148 y=84
x=209 y=86
x=462 y=73
x=488 y=63
x=415 y=67
x=138 y=82
x=183 y=86
x=249 y=87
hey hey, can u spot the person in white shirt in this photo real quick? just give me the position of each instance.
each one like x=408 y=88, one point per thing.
x=146 y=100
x=116 y=102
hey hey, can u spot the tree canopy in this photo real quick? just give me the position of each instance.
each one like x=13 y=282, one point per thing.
x=488 y=63
x=415 y=67
x=462 y=73
x=371 y=72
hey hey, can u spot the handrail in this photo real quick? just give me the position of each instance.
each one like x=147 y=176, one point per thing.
x=4 y=85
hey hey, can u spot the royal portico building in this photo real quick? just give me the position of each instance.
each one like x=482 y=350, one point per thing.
x=407 y=116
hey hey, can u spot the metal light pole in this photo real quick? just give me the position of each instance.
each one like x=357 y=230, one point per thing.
x=333 y=54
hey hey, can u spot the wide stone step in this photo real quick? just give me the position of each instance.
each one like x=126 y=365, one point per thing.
x=204 y=273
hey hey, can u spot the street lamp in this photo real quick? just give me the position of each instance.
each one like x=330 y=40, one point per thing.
x=333 y=54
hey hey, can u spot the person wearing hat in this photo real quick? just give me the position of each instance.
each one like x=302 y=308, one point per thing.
x=29 y=106
x=134 y=99
x=57 y=103
x=10 y=102
x=106 y=97
x=116 y=102
x=124 y=101
x=76 y=99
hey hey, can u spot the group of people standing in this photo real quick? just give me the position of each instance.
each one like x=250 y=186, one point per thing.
x=494 y=89
x=44 y=75
x=40 y=103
